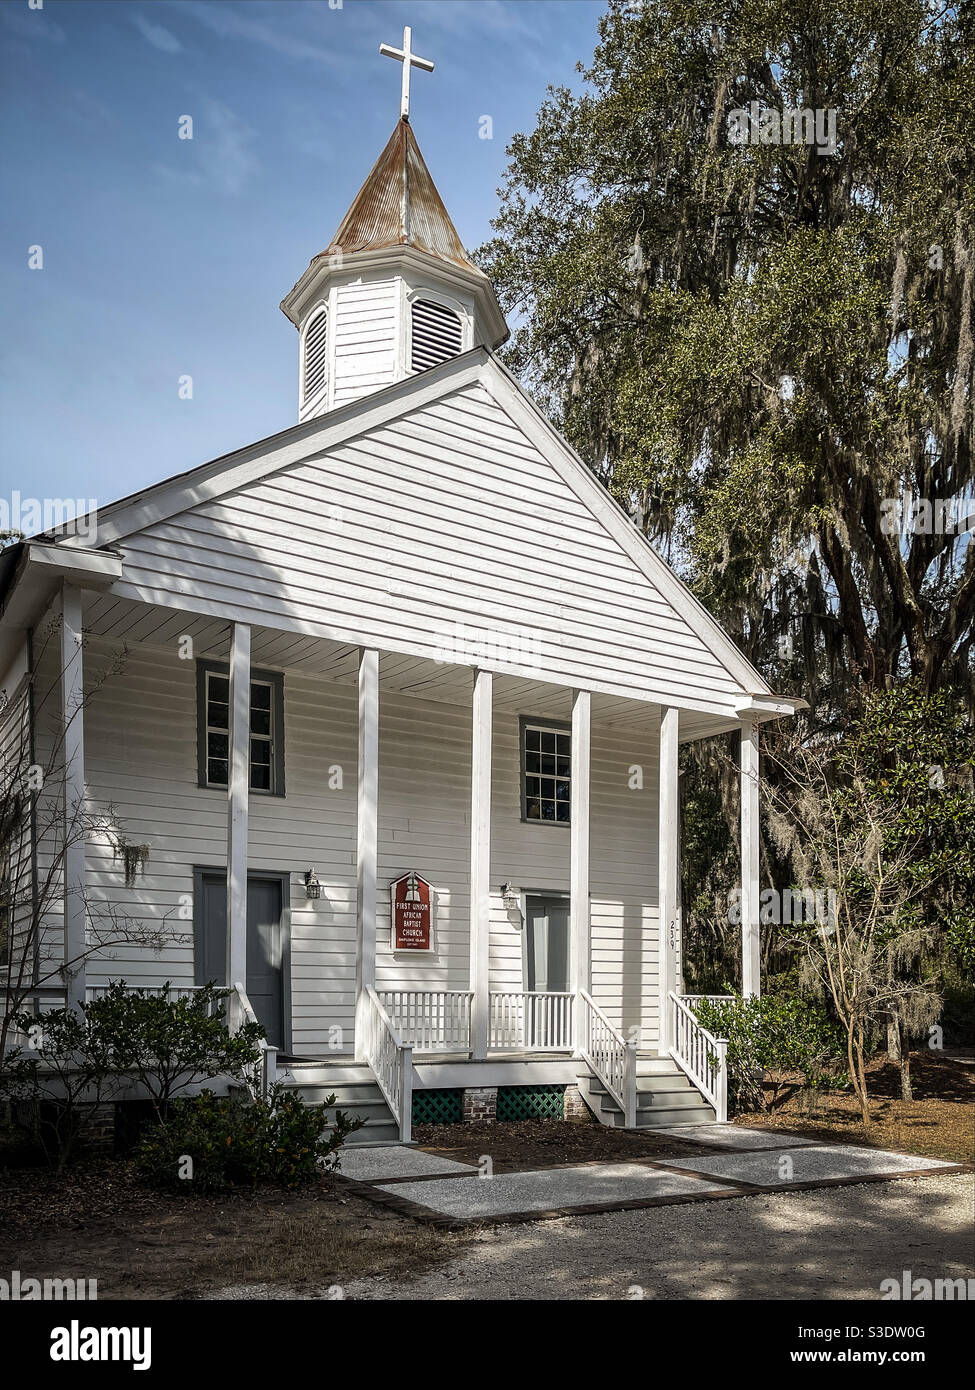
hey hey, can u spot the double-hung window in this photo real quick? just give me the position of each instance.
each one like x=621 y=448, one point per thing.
x=546 y=762
x=266 y=731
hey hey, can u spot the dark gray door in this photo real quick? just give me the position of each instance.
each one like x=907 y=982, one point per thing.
x=548 y=943
x=265 y=945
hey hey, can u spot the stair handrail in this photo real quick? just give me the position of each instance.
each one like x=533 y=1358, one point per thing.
x=613 y=1061
x=701 y=1056
x=267 y=1069
x=389 y=1057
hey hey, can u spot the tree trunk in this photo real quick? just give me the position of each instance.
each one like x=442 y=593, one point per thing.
x=907 y=1090
x=893 y=1038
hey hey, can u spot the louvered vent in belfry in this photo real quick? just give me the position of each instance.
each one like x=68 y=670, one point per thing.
x=437 y=334
x=316 y=354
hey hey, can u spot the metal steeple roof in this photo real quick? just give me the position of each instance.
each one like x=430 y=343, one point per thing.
x=398 y=205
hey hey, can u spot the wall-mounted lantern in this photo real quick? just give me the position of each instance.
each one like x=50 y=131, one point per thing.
x=313 y=885
x=510 y=897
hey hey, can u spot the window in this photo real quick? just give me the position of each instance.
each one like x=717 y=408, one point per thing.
x=267 y=727
x=316 y=354
x=546 y=762
x=437 y=334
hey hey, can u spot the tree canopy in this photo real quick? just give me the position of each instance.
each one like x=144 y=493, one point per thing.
x=765 y=350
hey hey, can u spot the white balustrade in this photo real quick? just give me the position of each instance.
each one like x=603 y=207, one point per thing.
x=702 y=1056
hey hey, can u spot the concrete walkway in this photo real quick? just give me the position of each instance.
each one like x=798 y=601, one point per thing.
x=456 y=1195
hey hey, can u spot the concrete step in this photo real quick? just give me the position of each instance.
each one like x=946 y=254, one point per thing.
x=673 y=1100
x=375 y=1132
x=331 y=1074
x=649 y=1087
x=345 y=1093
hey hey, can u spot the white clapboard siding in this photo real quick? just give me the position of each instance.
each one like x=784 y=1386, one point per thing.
x=365 y=337
x=141 y=755
x=447 y=518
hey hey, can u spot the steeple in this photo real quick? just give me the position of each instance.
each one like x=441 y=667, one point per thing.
x=394 y=292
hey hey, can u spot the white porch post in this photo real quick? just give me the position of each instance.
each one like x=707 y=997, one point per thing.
x=73 y=728
x=668 y=874
x=750 y=938
x=579 y=967
x=480 y=859
x=367 y=829
x=238 y=792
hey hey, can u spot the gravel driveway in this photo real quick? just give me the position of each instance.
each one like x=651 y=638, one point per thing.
x=829 y=1243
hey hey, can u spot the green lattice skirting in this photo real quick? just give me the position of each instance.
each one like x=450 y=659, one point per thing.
x=531 y=1102
x=438 y=1107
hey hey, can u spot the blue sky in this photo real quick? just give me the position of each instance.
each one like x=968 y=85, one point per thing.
x=167 y=257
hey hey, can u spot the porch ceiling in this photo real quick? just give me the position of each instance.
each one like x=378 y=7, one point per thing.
x=124 y=620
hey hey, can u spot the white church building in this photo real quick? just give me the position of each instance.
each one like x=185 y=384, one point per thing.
x=389 y=706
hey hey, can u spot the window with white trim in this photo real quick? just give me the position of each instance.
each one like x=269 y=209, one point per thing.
x=546 y=763
x=436 y=334
x=316 y=354
x=266 y=726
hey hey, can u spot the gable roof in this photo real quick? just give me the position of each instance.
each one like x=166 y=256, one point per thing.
x=316 y=437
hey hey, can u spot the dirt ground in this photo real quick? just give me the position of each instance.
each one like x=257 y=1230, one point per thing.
x=938 y=1123
x=546 y=1143
x=99 y=1222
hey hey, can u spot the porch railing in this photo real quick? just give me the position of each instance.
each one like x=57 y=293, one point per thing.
x=390 y=1058
x=239 y=1012
x=430 y=1020
x=530 y=1021
x=702 y=1056
x=93 y=992
x=610 y=1056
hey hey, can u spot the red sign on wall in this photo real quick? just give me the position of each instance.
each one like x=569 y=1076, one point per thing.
x=412 y=915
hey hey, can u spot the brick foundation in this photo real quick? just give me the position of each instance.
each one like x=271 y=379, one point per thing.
x=576 y=1109
x=480 y=1103
x=96 y=1128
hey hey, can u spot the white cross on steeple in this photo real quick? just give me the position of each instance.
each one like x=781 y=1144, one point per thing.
x=409 y=60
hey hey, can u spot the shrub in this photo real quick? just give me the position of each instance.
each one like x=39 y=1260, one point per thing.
x=775 y=1033
x=65 y=1064
x=216 y=1144
x=172 y=1043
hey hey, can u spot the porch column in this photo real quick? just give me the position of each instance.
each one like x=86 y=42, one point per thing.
x=238 y=792
x=367 y=824
x=750 y=938
x=73 y=731
x=668 y=874
x=480 y=909
x=579 y=967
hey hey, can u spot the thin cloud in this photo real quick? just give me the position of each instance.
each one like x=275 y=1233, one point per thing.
x=31 y=24
x=219 y=155
x=229 y=22
x=156 y=35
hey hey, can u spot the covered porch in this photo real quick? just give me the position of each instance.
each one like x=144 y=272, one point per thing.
x=396 y=1028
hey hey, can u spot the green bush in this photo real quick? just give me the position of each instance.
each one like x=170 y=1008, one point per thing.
x=63 y=1066
x=775 y=1033
x=169 y=1044
x=211 y=1144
